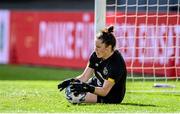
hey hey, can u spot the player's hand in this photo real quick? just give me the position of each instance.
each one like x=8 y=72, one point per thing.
x=82 y=87
x=66 y=83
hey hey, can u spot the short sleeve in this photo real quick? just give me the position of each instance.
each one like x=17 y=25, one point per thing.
x=92 y=60
x=115 y=72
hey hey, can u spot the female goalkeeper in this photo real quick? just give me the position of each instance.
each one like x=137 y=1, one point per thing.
x=109 y=83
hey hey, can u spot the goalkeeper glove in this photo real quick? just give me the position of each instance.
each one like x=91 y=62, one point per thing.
x=66 y=83
x=82 y=87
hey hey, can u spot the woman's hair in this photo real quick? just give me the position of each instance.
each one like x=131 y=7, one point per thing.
x=107 y=37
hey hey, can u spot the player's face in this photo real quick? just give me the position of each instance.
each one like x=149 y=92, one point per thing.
x=100 y=49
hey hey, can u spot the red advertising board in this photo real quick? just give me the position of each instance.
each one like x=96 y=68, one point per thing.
x=66 y=39
x=149 y=43
x=52 y=38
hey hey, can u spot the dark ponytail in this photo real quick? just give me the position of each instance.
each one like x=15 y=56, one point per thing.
x=111 y=29
x=108 y=37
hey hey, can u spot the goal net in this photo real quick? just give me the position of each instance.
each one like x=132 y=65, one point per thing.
x=148 y=36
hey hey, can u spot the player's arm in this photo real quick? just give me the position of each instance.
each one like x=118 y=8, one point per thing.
x=83 y=77
x=86 y=74
x=104 y=90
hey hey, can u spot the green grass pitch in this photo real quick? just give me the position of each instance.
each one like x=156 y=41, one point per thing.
x=34 y=89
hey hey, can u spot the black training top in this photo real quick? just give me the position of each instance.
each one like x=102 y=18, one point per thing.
x=113 y=67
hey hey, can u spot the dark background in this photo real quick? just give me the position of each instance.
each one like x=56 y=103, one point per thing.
x=130 y=5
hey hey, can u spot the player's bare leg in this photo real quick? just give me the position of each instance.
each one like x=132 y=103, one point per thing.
x=90 y=98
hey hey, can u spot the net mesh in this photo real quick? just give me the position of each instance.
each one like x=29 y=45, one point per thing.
x=148 y=36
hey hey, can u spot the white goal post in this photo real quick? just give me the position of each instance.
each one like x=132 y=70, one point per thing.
x=100 y=15
x=148 y=35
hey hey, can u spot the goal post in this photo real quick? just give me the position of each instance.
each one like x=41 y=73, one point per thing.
x=148 y=35
x=100 y=15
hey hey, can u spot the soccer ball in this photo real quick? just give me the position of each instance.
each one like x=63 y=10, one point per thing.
x=74 y=98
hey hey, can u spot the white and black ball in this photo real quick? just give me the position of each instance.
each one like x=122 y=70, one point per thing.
x=74 y=98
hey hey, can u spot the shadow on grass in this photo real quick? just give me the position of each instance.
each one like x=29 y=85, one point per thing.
x=137 y=104
x=132 y=104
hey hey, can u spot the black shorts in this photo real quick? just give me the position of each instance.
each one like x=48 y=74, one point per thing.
x=107 y=99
